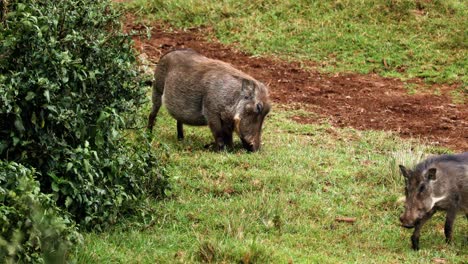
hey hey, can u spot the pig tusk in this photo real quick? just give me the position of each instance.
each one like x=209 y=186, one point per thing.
x=237 y=123
x=437 y=199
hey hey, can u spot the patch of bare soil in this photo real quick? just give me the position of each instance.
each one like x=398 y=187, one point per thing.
x=354 y=100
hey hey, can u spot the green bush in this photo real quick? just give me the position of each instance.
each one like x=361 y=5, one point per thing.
x=32 y=228
x=69 y=86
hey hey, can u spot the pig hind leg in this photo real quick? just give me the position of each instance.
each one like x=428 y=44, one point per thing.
x=155 y=109
x=180 y=130
x=158 y=90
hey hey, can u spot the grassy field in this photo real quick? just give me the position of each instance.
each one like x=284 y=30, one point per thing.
x=400 y=38
x=279 y=205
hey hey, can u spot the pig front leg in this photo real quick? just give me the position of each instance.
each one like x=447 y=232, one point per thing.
x=417 y=230
x=450 y=219
x=222 y=133
x=227 y=138
x=217 y=131
x=227 y=131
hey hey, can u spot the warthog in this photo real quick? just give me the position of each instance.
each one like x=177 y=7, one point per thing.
x=200 y=91
x=438 y=183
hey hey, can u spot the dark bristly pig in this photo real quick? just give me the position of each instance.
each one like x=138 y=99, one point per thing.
x=438 y=183
x=200 y=91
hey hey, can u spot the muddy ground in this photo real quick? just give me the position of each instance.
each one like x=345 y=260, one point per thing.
x=347 y=100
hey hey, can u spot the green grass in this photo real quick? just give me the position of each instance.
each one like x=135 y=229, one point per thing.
x=280 y=204
x=396 y=38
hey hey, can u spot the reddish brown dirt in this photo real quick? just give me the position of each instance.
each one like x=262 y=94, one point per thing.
x=355 y=100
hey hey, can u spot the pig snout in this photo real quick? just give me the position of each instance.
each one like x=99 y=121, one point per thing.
x=409 y=219
x=405 y=223
x=250 y=145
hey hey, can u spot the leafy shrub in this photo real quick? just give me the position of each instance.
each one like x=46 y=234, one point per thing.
x=32 y=228
x=69 y=86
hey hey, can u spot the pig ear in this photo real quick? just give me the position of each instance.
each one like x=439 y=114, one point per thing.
x=404 y=171
x=248 y=87
x=431 y=174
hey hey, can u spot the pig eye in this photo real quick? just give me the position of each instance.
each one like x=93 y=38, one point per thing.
x=422 y=188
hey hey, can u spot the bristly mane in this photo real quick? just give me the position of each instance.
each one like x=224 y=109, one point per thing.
x=461 y=158
x=178 y=49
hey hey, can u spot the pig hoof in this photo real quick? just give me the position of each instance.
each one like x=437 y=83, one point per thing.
x=415 y=244
x=220 y=148
x=465 y=241
x=207 y=146
x=214 y=147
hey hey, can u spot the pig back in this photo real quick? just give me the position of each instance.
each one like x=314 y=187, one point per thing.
x=183 y=91
x=195 y=85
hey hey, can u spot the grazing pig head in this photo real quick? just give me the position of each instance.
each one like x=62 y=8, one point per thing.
x=419 y=191
x=252 y=107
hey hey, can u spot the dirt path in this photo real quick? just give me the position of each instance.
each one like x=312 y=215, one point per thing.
x=360 y=101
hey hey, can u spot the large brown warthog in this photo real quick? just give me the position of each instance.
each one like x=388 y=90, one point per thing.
x=200 y=91
x=438 y=183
